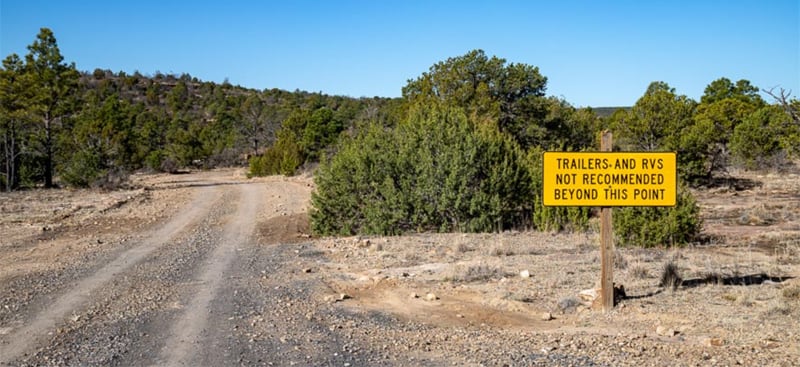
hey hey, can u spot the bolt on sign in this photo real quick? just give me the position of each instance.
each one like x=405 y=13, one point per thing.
x=607 y=179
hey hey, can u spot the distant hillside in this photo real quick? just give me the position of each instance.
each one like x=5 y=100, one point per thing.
x=167 y=122
x=607 y=111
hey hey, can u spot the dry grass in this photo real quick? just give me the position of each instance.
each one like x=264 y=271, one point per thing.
x=620 y=262
x=787 y=251
x=792 y=292
x=463 y=247
x=745 y=299
x=712 y=277
x=670 y=277
x=759 y=215
x=503 y=250
x=412 y=257
x=647 y=255
x=639 y=271
x=476 y=273
x=778 y=308
x=506 y=249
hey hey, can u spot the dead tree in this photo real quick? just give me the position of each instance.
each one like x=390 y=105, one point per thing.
x=792 y=108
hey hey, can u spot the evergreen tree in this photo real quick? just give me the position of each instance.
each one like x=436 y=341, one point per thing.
x=14 y=119
x=54 y=85
x=490 y=91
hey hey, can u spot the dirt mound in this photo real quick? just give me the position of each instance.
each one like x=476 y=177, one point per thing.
x=292 y=228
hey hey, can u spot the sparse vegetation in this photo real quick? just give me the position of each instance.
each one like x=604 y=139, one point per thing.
x=791 y=292
x=568 y=304
x=712 y=277
x=779 y=308
x=463 y=247
x=670 y=276
x=620 y=261
x=503 y=250
x=639 y=271
x=477 y=273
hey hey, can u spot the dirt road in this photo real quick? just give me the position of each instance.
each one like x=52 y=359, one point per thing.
x=158 y=299
x=211 y=269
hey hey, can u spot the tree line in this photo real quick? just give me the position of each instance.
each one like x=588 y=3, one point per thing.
x=465 y=153
x=460 y=150
x=61 y=126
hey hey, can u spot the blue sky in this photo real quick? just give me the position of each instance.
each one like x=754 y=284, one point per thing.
x=594 y=53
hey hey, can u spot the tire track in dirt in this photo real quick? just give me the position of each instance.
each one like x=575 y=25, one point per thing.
x=189 y=335
x=19 y=341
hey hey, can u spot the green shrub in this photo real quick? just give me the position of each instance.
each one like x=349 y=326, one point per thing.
x=436 y=171
x=282 y=159
x=169 y=165
x=258 y=166
x=762 y=136
x=82 y=169
x=555 y=218
x=548 y=218
x=154 y=159
x=657 y=226
x=321 y=130
x=358 y=190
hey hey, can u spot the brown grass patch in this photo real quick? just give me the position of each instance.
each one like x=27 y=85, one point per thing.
x=792 y=292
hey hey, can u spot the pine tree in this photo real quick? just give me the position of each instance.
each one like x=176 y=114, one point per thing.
x=14 y=119
x=53 y=84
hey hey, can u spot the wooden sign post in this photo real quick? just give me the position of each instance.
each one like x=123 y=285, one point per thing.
x=606 y=240
x=607 y=179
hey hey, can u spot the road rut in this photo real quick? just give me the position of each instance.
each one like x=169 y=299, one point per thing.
x=186 y=343
x=21 y=340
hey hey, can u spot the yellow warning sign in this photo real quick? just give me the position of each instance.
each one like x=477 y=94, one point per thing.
x=609 y=179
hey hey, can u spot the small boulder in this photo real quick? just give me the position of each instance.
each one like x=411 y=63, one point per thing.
x=431 y=297
x=333 y=298
x=664 y=331
x=588 y=296
x=525 y=274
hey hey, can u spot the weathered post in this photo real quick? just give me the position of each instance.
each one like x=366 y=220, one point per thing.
x=606 y=179
x=606 y=240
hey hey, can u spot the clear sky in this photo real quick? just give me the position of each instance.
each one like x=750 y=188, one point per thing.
x=594 y=53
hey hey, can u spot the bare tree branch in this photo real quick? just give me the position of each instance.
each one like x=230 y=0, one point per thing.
x=782 y=97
